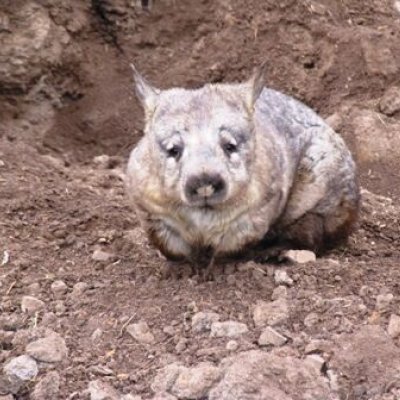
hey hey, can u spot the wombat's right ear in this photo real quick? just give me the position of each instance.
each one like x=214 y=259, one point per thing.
x=256 y=83
x=146 y=93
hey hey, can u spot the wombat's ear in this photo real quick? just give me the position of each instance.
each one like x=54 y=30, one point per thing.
x=146 y=93
x=256 y=84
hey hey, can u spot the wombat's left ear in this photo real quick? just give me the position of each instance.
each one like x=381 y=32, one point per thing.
x=146 y=93
x=256 y=85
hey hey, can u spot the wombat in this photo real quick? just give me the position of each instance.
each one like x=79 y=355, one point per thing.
x=232 y=167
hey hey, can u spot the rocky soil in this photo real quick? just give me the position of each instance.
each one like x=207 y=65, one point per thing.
x=85 y=309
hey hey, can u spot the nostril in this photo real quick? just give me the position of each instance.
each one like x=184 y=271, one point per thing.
x=205 y=186
x=218 y=185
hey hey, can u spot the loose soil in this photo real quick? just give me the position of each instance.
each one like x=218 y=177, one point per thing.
x=58 y=204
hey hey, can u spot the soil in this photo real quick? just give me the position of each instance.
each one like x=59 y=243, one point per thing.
x=59 y=203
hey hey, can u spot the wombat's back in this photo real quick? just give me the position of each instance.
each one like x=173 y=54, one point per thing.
x=323 y=197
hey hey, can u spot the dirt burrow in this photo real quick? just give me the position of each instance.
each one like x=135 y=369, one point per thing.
x=83 y=300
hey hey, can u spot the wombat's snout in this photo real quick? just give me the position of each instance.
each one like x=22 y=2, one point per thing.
x=205 y=189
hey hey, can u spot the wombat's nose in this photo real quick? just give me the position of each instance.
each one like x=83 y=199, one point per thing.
x=205 y=187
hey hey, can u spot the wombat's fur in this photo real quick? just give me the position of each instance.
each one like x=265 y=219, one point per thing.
x=227 y=168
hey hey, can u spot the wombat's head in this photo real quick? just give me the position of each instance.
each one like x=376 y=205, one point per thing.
x=201 y=141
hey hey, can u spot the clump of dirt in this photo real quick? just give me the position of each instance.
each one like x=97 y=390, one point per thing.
x=66 y=98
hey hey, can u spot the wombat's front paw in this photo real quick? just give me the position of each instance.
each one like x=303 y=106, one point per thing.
x=176 y=270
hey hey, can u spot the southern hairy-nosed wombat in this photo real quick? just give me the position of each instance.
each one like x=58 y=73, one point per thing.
x=228 y=168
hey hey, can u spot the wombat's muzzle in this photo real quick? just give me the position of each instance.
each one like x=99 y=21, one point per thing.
x=205 y=189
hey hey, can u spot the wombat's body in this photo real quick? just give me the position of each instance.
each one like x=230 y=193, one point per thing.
x=229 y=167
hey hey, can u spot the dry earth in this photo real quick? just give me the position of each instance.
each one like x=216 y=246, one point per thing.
x=84 y=310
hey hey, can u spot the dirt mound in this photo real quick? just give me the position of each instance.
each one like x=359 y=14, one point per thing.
x=68 y=238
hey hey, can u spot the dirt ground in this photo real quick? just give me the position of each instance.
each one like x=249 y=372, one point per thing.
x=66 y=97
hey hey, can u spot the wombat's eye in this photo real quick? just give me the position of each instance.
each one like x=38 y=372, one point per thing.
x=174 y=151
x=229 y=148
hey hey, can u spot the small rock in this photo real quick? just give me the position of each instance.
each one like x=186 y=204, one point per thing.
x=34 y=288
x=201 y=321
x=390 y=102
x=96 y=335
x=102 y=256
x=315 y=361
x=394 y=326
x=229 y=329
x=17 y=372
x=300 y=256
x=232 y=345
x=281 y=277
x=279 y=292
x=101 y=370
x=318 y=346
x=49 y=349
x=396 y=5
x=7 y=397
x=194 y=383
x=103 y=161
x=59 y=288
x=48 y=387
x=311 y=319
x=141 y=332
x=79 y=288
x=31 y=305
x=166 y=377
x=272 y=313
x=130 y=397
x=169 y=330
x=102 y=391
x=59 y=307
x=383 y=301
x=181 y=345
x=271 y=337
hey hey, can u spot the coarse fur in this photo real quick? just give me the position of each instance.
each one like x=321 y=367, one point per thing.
x=288 y=177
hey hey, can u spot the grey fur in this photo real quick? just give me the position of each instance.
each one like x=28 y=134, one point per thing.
x=291 y=178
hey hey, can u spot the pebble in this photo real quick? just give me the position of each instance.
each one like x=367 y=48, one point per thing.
x=201 y=321
x=315 y=361
x=79 y=288
x=194 y=383
x=181 y=345
x=34 y=288
x=394 y=326
x=102 y=256
x=273 y=313
x=271 y=337
x=49 y=349
x=232 y=345
x=48 y=387
x=390 y=102
x=311 y=319
x=383 y=301
x=31 y=305
x=166 y=377
x=231 y=329
x=103 y=161
x=141 y=332
x=169 y=330
x=300 y=256
x=17 y=372
x=281 y=277
x=59 y=288
x=100 y=390
x=7 y=397
x=279 y=292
